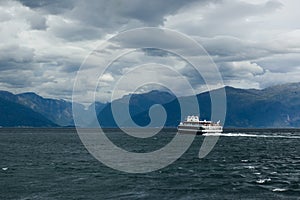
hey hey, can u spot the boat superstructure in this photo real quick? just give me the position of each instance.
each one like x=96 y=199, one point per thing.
x=194 y=124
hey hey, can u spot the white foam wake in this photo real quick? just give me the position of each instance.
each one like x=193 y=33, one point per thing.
x=279 y=190
x=261 y=181
x=251 y=135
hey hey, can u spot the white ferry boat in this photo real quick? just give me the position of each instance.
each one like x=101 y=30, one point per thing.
x=194 y=124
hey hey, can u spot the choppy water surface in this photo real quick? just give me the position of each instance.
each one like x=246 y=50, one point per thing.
x=245 y=164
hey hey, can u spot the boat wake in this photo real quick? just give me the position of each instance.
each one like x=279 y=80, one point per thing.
x=251 y=135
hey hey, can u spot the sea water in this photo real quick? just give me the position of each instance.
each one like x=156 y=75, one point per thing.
x=244 y=164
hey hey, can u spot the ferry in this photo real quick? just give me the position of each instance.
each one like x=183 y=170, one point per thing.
x=194 y=125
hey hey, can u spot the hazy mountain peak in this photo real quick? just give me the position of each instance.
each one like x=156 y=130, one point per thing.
x=245 y=107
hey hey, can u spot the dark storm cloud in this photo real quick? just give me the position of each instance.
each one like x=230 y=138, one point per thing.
x=37 y=22
x=43 y=42
x=69 y=67
x=110 y=13
x=49 y=6
x=14 y=80
x=94 y=18
x=75 y=31
x=228 y=48
x=16 y=57
x=226 y=17
x=281 y=63
x=239 y=10
x=155 y=52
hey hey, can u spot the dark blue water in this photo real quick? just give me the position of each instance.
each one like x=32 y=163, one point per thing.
x=53 y=164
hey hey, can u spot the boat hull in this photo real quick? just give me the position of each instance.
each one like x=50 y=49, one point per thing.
x=197 y=131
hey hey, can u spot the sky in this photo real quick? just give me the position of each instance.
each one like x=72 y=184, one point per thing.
x=254 y=44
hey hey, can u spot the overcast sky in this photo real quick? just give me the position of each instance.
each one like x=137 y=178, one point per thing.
x=254 y=43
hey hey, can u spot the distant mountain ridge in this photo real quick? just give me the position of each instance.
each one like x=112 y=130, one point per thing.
x=16 y=115
x=277 y=106
x=274 y=107
x=137 y=103
x=57 y=111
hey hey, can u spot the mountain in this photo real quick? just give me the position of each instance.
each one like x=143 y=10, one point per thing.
x=58 y=111
x=13 y=115
x=277 y=106
x=253 y=108
x=136 y=103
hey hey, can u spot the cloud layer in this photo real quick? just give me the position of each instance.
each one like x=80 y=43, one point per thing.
x=43 y=43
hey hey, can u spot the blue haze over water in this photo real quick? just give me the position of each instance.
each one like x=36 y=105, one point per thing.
x=245 y=164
